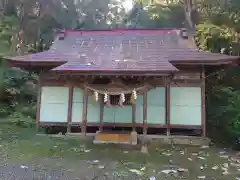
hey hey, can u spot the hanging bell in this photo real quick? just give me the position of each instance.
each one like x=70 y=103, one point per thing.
x=96 y=96
x=134 y=94
x=122 y=97
x=105 y=97
x=120 y=102
x=133 y=97
x=108 y=104
x=132 y=100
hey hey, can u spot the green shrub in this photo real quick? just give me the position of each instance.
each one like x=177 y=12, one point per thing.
x=28 y=110
x=4 y=110
x=20 y=120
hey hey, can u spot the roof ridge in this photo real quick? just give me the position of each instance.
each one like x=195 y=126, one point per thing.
x=121 y=29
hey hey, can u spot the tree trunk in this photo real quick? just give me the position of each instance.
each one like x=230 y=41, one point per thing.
x=17 y=39
x=2 y=64
x=2 y=8
x=188 y=9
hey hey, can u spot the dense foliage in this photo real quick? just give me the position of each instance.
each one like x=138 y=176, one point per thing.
x=219 y=31
x=29 y=26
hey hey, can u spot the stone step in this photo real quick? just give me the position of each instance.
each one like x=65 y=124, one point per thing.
x=115 y=138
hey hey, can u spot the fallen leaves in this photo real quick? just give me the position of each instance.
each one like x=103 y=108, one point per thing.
x=166 y=154
x=152 y=178
x=178 y=162
x=215 y=167
x=204 y=147
x=169 y=171
x=135 y=171
x=24 y=167
x=101 y=167
x=82 y=149
x=201 y=177
x=202 y=158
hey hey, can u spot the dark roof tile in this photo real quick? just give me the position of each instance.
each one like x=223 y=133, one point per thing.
x=120 y=50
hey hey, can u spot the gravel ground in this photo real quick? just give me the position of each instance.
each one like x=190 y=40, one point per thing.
x=64 y=169
x=16 y=172
x=25 y=156
x=39 y=171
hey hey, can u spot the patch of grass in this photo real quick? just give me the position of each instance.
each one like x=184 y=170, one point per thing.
x=23 y=145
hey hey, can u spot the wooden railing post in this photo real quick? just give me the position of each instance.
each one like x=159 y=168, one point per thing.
x=144 y=116
x=39 y=98
x=168 y=108
x=84 y=113
x=134 y=117
x=101 y=113
x=70 y=102
x=38 y=103
x=203 y=96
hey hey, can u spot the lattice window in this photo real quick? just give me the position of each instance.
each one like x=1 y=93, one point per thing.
x=114 y=100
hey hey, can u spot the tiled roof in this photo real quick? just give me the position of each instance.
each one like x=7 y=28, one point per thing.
x=122 y=50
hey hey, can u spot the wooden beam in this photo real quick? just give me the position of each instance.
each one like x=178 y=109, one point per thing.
x=134 y=116
x=140 y=125
x=70 y=102
x=145 y=114
x=38 y=103
x=168 y=108
x=101 y=113
x=203 y=95
x=84 y=113
x=119 y=73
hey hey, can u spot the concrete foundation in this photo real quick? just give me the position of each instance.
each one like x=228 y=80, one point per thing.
x=180 y=140
x=133 y=138
x=115 y=138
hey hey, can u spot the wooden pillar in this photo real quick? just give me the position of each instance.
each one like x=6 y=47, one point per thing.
x=203 y=107
x=84 y=113
x=145 y=114
x=168 y=108
x=134 y=116
x=101 y=113
x=38 y=103
x=70 y=102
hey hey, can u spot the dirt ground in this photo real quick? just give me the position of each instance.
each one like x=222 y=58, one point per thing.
x=26 y=156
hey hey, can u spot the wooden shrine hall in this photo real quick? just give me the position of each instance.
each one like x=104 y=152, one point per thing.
x=129 y=78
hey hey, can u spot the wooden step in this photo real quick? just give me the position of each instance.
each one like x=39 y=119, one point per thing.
x=115 y=138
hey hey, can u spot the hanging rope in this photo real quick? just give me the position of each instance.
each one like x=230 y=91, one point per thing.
x=117 y=93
